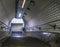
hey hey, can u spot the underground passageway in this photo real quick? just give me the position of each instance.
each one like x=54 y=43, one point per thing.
x=29 y=23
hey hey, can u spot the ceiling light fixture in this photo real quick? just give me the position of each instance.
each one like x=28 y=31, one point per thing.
x=24 y=1
x=20 y=14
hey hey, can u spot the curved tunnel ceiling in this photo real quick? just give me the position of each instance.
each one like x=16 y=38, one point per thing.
x=44 y=11
x=7 y=10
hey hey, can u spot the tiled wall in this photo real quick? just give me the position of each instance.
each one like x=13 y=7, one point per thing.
x=51 y=11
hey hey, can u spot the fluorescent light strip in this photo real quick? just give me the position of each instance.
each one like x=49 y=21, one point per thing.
x=24 y=1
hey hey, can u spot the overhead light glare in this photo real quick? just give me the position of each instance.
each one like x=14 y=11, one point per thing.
x=20 y=14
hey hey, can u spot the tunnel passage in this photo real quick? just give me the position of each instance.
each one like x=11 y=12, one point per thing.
x=24 y=42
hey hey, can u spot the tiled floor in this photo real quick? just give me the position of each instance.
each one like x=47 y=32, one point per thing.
x=24 y=42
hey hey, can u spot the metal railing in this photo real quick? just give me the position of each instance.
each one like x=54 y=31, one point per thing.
x=4 y=30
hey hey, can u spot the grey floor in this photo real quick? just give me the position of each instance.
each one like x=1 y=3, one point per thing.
x=28 y=42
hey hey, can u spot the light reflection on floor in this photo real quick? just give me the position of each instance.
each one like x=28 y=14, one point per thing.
x=29 y=42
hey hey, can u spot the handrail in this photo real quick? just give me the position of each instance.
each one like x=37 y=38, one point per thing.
x=4 y=23
x=46 y=23
x=8 y=28
x=39 y=26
